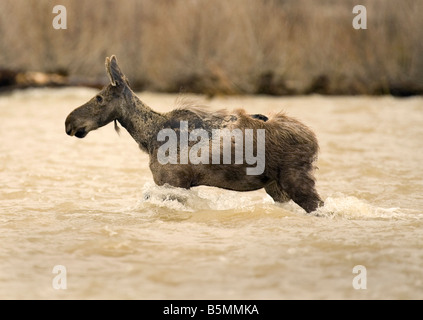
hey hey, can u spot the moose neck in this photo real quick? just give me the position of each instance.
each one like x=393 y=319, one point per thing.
x=142 y=123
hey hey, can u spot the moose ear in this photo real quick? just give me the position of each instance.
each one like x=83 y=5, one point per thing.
x=114 y=73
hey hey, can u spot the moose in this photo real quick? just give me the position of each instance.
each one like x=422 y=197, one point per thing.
x=289 y=152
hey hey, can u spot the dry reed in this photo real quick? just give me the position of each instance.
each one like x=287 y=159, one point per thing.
x=220 y=46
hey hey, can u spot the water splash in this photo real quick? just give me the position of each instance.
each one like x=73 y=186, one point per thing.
x=172 y=200
x=349 y=207
x=200 y=198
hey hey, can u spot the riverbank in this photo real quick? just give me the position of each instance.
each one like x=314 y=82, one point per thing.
x=268 y=85
x=239 y=47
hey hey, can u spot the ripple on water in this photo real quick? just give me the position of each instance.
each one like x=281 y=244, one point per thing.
x=84 y=204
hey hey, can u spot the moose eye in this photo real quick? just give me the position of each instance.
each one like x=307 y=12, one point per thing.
x=99 y=99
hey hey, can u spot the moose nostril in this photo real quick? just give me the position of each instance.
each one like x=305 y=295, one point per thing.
x=69 y=131
x=81 y=133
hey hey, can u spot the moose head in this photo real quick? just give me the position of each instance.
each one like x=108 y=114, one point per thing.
x=104 y=107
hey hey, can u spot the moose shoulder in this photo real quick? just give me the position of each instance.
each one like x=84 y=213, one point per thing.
x=277 y=153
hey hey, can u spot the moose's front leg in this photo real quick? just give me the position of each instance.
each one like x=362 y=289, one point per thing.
x=176 y=175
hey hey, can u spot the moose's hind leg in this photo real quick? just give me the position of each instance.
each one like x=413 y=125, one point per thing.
x=276 y=193
x=300 y=186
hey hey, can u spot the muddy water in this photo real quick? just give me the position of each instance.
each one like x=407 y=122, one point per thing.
x=91 y=206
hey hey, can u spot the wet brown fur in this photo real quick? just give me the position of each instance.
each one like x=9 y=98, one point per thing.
x=290 y=150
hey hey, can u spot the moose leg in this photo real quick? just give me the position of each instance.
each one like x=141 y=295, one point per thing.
x=300 y=187
x=179 y=176
x=170 y=176
x=276 y=193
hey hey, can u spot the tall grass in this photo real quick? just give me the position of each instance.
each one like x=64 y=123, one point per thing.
x=221 y=46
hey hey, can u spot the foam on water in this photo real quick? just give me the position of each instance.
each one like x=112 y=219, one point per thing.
x=200 y=198
x=349 y=207
x=212 y=199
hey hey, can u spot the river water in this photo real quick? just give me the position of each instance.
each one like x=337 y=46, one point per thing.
x=90 y=208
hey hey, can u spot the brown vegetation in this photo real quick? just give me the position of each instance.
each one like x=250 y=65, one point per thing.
x=232 y=47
